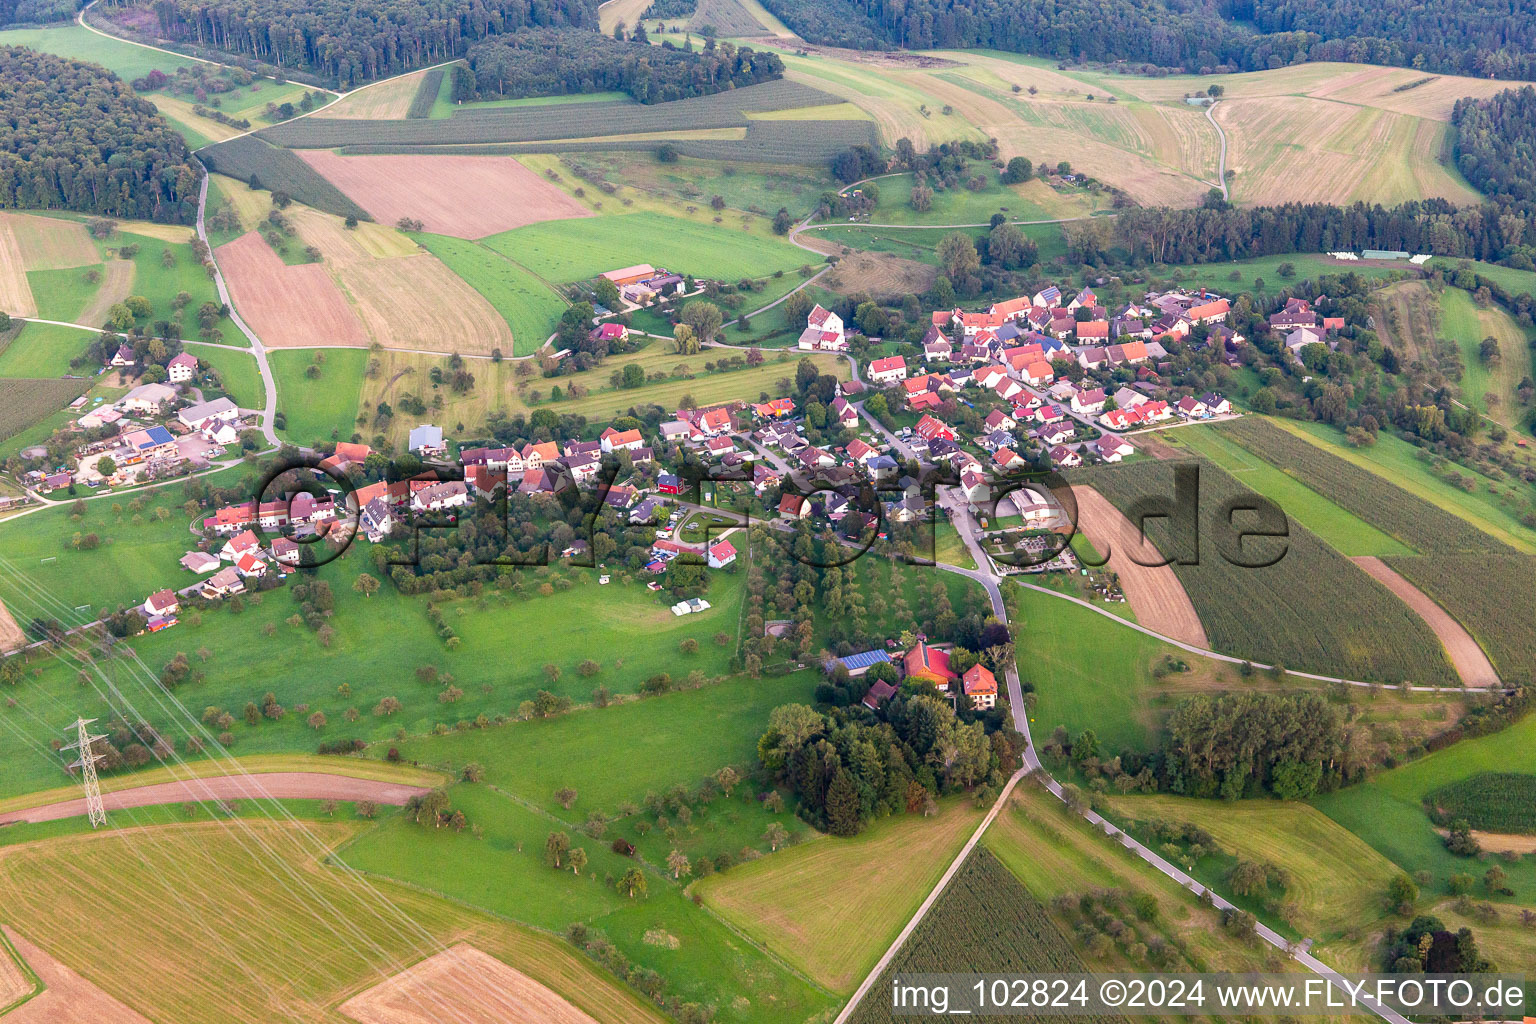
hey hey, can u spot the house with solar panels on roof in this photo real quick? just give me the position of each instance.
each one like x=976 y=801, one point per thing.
x=858 y=664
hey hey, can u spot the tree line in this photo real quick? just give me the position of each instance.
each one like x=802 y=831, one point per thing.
x=1472 y=37
x=1217 y=232
x=557 y=62
x=75 y=137
x=356 y=42
x=1496 y=143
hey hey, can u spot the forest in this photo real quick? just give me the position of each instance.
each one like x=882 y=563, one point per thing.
x=1219 y=233
x=1496 y=143
x=355 y=43
x=116 y=156
x=556 y=62
x=848 y=769
x=1473 y=37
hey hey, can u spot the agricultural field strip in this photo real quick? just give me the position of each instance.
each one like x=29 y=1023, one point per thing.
x=552 y=122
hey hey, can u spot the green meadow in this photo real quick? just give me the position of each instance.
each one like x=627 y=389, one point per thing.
x=1346 y=533
x=1387 y=811
x=323 y=408
x=527 y=304
x=574 y=250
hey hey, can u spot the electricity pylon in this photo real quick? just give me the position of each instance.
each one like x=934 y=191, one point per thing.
x=87 y=766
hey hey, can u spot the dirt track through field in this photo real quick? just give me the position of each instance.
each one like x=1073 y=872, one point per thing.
x=67 y=998
x=11 y=635
x=465 y=196
x=1471 y=664
x=116 y=285
x=480 y=988
x=275 y=785
x=1153 y=592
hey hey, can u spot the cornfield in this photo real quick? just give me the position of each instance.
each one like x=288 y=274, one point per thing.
x=985 y=922
x=1406 y=517
x=1490 y=802
x=1313 y=609
x=24 y=403
x=551 y=122
x=248 y=157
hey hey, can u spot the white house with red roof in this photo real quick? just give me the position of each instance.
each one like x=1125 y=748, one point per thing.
x=980 y=685
x=930 y=429
x=823 y=332
x=721 y=554
x=888 y=370
x=161 y=602
x=243 y=543
x=181 y=369
x=621 y=440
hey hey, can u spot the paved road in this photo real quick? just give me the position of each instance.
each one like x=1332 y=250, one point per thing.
x=1032 y=764
x=257 y=786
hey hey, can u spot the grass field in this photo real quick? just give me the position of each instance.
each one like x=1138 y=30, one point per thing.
x=1089 y=672
x=832 y=906
x=1033 y=200
x=1055 y=853
x=44 y=350
x=1337 y=881
x=317 y=409
x=1262 y=275
x=1488 y=388
x=1387 y=811
x=242 y=380
x=574 y=250
x=1346 y=533
x=529 y=306
x=320 y=936
x=609 y=755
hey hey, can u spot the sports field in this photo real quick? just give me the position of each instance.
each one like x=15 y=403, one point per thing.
x=832 y=906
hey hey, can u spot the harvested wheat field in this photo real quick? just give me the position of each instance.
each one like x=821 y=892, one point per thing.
x=1153 y=592
x=15 y=293
x=1144 y=178
x=480 y=988
x=66 y=998
x=11 y=637
x=48 y=243
x=389 y=100
x=880 y=274
x=464 y=196
x=404 y=296
x=287 y=307
x=1471 y=664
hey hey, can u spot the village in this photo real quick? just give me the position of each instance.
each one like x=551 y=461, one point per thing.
x=961 y=434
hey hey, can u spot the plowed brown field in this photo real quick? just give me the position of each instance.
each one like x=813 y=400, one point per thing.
x=1153 y=592
x=480 y=988
x=287 y=307
x=68 y=998
x=466 y=196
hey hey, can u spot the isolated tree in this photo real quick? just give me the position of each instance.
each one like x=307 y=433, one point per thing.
x=633 y=884
x=678 y=864
x=577 y=859
x=366 y=585
x=705 y=319
x=684 y=340
x=473 y=772
x=556 y=847
x=776 y=835
x=727 y=779
x=565 y=796
x=317 y=721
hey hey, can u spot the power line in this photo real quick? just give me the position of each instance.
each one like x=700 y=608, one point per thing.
x=87 y=766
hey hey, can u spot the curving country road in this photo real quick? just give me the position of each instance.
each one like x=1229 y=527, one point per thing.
x=257 y=786
x=1221 y=166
